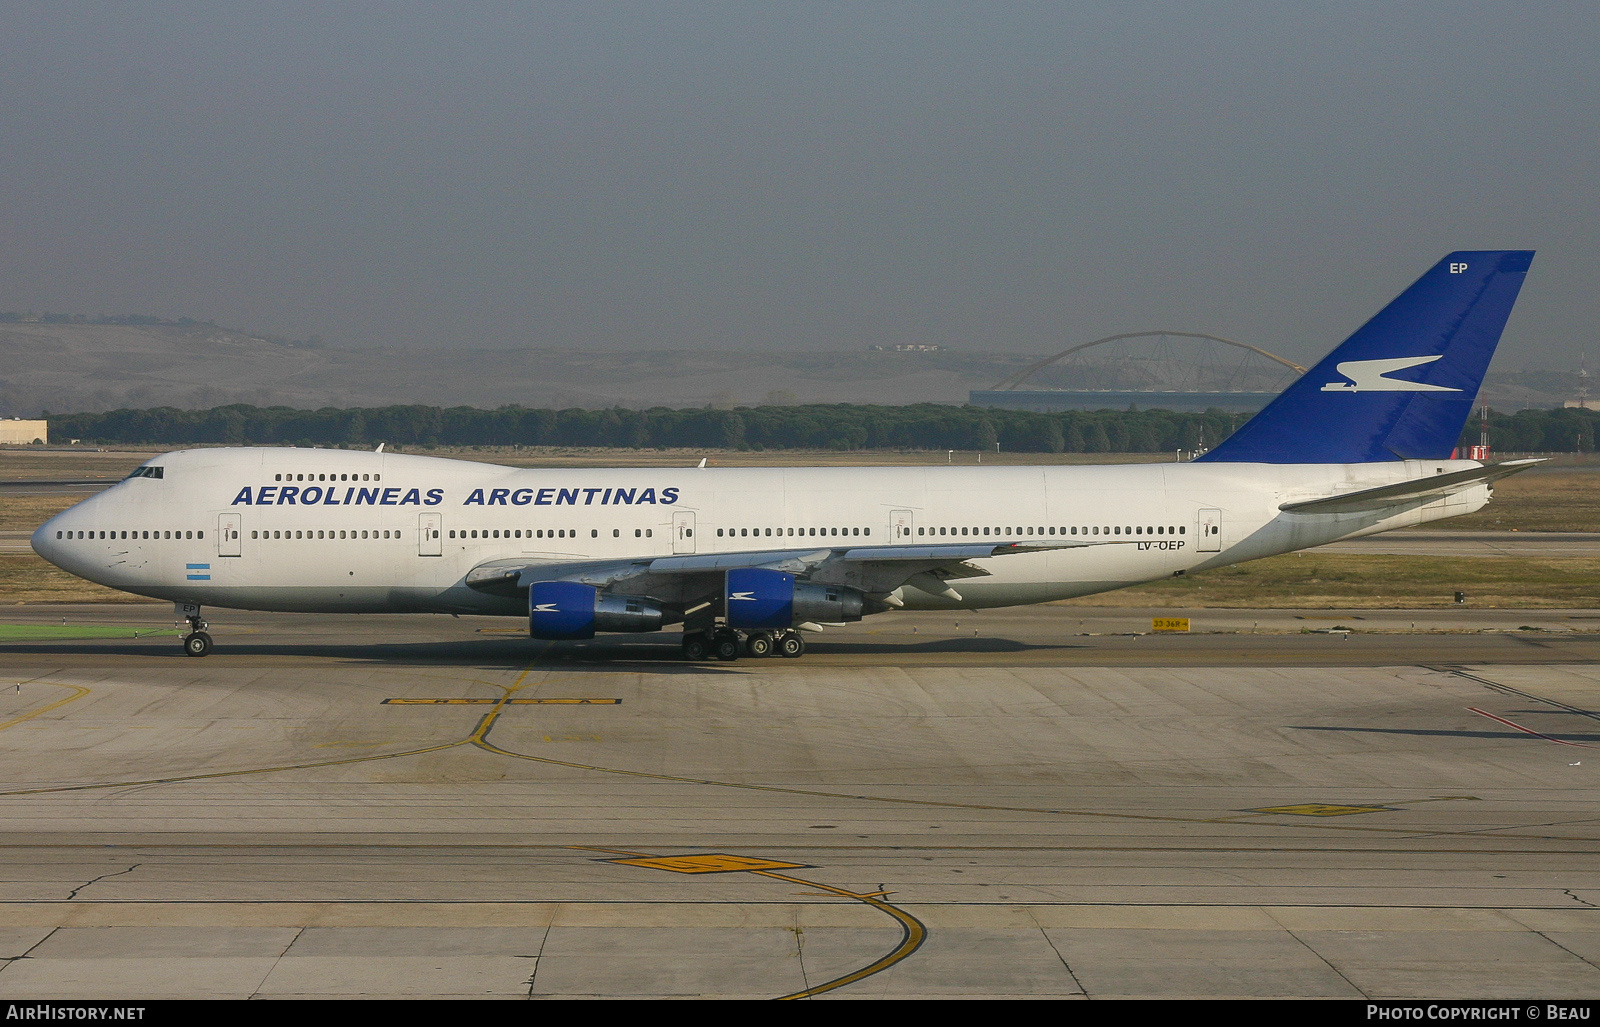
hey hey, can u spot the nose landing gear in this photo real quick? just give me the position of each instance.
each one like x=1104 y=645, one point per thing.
x=196 y=642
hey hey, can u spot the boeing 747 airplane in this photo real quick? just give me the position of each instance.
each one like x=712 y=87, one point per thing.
x=747 y=559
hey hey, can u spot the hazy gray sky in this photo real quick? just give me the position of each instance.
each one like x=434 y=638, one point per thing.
x=796 y=175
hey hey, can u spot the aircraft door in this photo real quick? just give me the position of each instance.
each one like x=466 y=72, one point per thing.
x=683 y=531
x=900 y=525
x=430 y=542
x=228 y=534
x=1210 y=527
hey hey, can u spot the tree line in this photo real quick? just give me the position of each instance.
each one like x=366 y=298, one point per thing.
x=839 y=426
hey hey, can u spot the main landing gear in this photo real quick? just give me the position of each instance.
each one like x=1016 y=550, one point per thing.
x=726 y=644
x=196 y=642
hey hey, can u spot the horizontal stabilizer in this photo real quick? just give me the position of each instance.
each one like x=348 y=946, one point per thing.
x=1405 y=491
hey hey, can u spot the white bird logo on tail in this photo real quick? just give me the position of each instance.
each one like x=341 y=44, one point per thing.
x=1373 y=376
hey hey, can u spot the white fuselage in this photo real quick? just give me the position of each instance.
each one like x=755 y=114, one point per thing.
x=335 y=531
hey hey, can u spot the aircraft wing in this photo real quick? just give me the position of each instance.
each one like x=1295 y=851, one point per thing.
x=878 y=569
x=1409 y=491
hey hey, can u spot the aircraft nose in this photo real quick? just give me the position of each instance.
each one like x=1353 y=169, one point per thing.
x=44 y=540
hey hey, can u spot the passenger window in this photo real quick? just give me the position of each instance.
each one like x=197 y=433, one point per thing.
x=649 y=533
x=616 y=532
x=594 y=532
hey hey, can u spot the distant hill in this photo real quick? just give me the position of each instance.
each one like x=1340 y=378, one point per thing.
x=95 y=367
x=86 y=368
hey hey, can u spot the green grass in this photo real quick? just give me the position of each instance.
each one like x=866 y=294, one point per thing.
x=53 y=632
x=25 y=578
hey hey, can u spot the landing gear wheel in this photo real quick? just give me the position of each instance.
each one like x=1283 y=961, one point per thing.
x=759 y=644
x=696 y=647
x=197 y=644
x=791 y=645
x=726 y=646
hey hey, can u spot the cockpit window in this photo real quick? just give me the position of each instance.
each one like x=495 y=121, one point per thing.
x=148 y=472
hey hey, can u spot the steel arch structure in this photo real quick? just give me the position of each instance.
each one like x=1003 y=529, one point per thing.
x=1007 y=384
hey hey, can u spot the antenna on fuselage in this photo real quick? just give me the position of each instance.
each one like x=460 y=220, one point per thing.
x=379 y=449
x=702 y=463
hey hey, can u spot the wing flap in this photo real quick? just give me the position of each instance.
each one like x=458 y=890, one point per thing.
x=507 y=577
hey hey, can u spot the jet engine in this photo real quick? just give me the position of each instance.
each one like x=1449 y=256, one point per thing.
x=759 y=598
x=570 y=610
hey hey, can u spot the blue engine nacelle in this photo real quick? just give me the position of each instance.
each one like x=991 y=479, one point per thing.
x=758 y=598
x=569 y=610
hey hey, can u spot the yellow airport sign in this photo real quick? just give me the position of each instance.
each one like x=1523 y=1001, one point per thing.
x=1169 y=624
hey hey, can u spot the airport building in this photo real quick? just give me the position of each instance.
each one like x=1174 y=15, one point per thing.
x=1057 y=400
x=17 y=432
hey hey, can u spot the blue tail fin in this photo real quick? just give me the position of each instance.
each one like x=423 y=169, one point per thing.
x=1402 y=386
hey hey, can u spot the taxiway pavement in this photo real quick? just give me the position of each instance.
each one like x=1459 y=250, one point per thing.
x=1024 y=803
